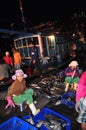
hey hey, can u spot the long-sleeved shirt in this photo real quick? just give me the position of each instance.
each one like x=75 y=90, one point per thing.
x=8 y=60
x=17 y=58
x=81 y=90
x=17 y=88
x=69 y=72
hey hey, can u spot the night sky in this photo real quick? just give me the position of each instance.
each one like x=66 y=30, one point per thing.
x=37 y=11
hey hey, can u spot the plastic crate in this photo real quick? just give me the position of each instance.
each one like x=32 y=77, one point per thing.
x=46 y=111
x=66 y=99
x=28 y=119
x=16 y=123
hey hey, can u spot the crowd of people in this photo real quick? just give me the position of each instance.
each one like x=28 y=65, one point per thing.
x=74 y=78
x=14 y=62
x=8 y=64
x=78 y=46
x=11 y=66
x=20 y=93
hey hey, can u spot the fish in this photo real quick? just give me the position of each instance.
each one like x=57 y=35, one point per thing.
x=54 y=119
x=50 y=126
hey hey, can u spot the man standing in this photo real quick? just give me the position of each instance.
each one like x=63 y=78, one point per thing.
x=17 y=59
x=35 y=61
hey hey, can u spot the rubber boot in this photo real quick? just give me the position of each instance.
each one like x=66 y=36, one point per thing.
x=67 y=86
x=33 y=109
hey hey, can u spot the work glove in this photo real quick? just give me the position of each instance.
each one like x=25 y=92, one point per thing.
x=10 y=102
x=77 y=107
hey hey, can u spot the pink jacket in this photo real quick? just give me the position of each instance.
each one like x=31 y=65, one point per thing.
x=81 y=90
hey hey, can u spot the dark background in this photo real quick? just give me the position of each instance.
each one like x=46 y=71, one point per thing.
x=37 y=11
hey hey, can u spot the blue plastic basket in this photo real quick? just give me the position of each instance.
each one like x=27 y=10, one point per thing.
x=66 y=101
x=46 y=111
x=16 y=123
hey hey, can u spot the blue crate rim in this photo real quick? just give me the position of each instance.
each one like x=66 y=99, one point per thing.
x=13 y=118
x=55 y=113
